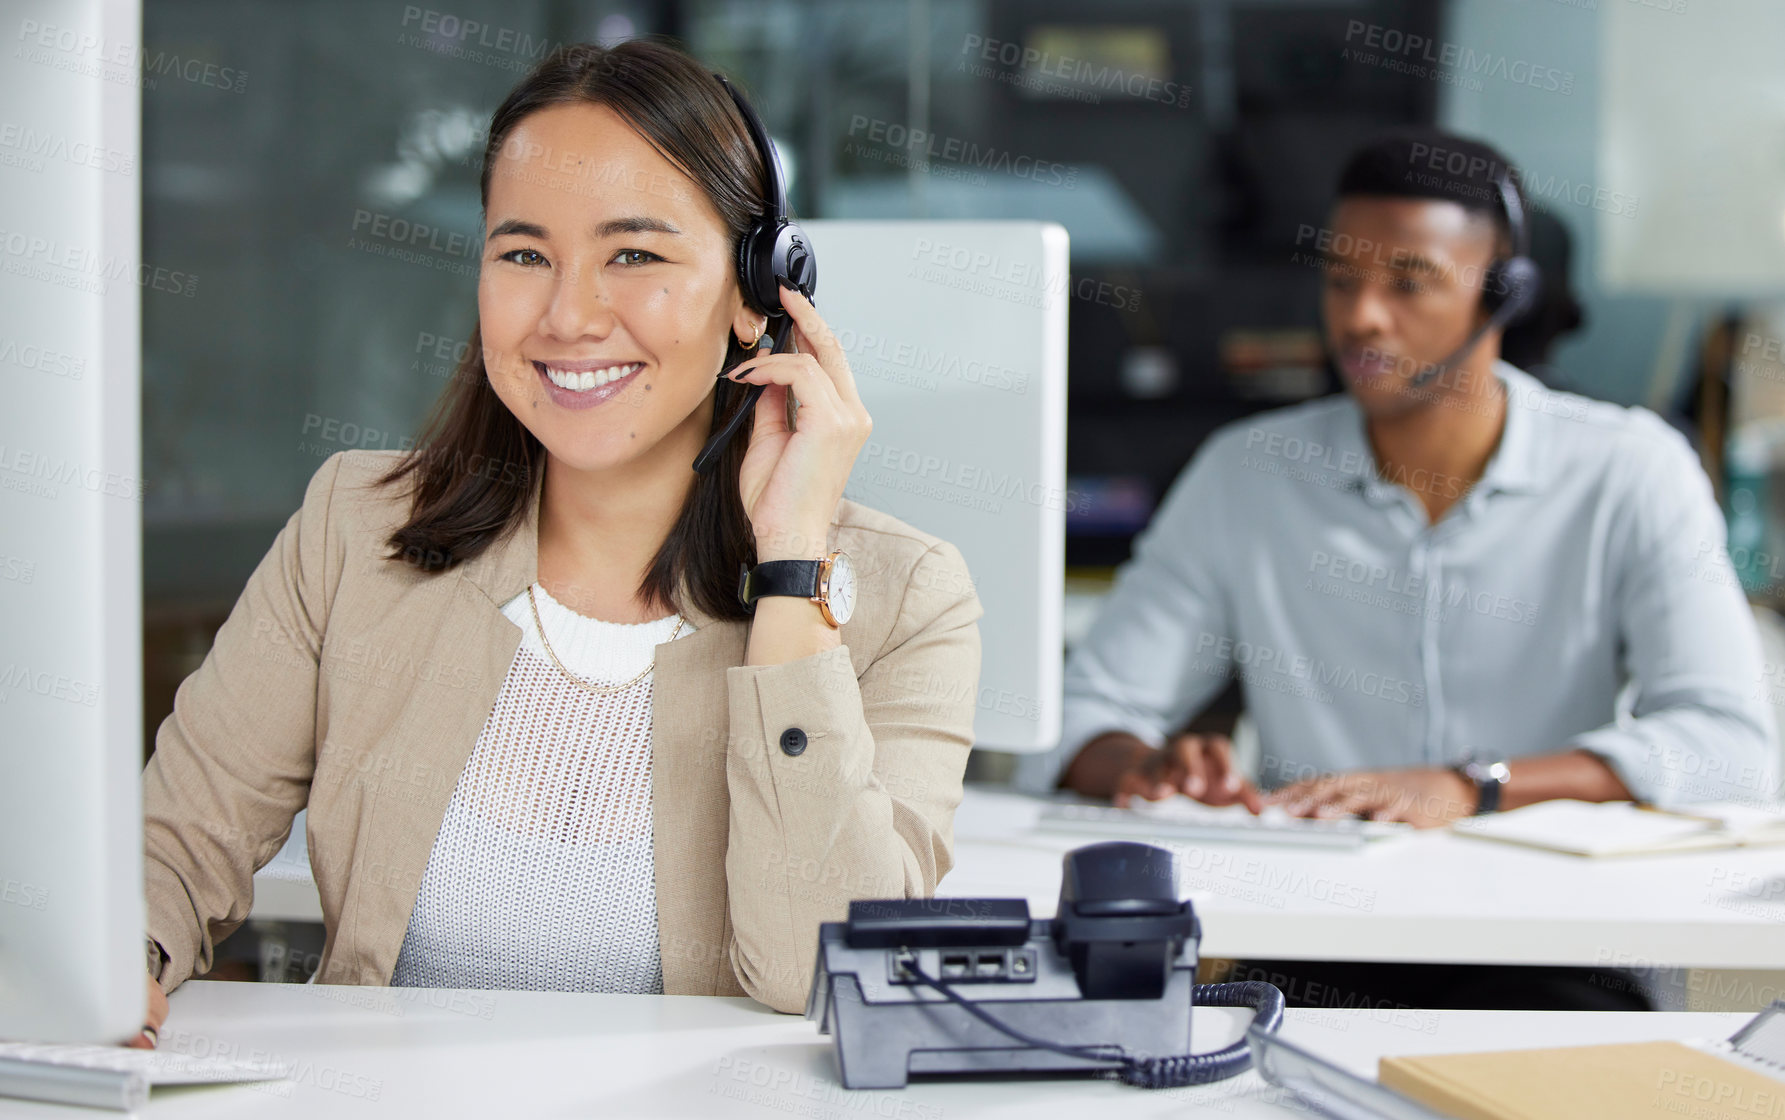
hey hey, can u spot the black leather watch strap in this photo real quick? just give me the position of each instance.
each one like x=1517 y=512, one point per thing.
x=798 y=578
x=1489 y=780
x=1487 y=796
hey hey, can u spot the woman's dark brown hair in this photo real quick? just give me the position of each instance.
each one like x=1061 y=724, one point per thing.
x=475 y=464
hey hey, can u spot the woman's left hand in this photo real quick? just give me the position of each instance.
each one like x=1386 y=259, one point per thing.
x=792 y=478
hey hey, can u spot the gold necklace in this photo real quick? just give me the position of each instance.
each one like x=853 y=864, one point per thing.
x=589 y=686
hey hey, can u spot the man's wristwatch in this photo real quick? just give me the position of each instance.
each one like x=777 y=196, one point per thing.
x=828 y=581
x=1489 y=780
x=157 y=959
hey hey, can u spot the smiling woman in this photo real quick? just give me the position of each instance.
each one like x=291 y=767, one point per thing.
x=604 y=253
x=521 y=769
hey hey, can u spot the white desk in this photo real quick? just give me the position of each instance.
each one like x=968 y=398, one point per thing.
x=1431 y=896
x=393 y=1054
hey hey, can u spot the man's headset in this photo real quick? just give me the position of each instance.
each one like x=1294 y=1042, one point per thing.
x=1509 y=287
x=773 y=251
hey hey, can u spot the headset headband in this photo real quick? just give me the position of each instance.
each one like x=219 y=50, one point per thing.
x=1515 y=214
x=771 y=159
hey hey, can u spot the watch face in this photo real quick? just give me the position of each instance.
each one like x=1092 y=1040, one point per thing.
x=842 y=588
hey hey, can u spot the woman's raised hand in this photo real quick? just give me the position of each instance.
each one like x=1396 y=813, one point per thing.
x=792 y=478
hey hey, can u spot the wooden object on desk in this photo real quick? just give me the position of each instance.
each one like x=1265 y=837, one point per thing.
x=1623 y=1081
x=1741 y=1078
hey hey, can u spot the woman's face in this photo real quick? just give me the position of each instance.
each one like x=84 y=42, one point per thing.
x=604 y=262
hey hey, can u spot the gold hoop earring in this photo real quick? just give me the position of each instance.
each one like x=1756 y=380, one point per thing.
x=751 y=345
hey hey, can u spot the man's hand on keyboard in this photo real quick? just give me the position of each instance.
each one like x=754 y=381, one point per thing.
x=157 y=1015
x=1121 y=767
x=1424 y=798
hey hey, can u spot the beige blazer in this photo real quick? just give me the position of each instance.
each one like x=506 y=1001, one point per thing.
x=358 y=686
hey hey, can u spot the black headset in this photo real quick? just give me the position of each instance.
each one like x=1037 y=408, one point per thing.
x=773 y=251
x=1509 y=287
x=1512 y=284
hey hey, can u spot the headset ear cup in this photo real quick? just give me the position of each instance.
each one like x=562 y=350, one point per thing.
x=794 y=263
x=773 y=253
x=756 y=274
x=1516 y=284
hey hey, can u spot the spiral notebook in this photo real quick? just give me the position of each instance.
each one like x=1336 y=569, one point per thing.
x=1739 y=1079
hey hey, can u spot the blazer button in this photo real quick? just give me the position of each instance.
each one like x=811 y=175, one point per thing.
x=793 y=741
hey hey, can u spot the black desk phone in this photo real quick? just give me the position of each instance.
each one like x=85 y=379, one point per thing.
x=959 y=985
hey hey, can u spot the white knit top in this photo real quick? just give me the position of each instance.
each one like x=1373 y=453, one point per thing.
x=541 y=876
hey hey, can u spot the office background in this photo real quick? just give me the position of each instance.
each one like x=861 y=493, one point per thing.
x=316 y=183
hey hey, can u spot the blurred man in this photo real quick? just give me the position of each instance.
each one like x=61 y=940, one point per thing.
x=1434 y=587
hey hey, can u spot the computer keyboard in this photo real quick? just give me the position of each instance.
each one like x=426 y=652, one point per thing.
x=1183 y=819
x=161 y=1067
x=115 y=1077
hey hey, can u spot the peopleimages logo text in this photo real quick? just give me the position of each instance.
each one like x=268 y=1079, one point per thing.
x=1405 y=45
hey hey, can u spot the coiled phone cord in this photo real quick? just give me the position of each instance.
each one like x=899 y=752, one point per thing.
x=1171 y=1072
x=1266 y=1002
